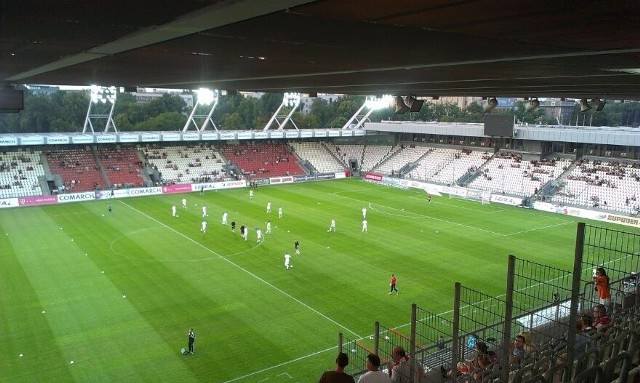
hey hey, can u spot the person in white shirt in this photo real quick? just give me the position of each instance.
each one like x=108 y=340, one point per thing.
x=332 y=226
x=224 y=218
x=287 y=260
x=174 y=211
x=268 y=223
x=374 y=375
x=203 y=227
x=279 y=212
x=204 y=211
x=250 y=194
x=268 y=207
x=364 y=213
x=258 y=234
x=184 y=203
x=364 y=225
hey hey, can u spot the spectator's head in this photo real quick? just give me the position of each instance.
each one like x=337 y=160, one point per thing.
x=601 y=271
x=397 y=353
x=373 y=362
x=342 y=360
x=482 y=348
x=519 y=341
x=599 y=311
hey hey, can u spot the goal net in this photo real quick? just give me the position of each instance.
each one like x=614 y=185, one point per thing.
x=483 y=196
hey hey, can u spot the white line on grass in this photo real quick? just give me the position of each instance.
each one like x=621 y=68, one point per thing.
x=246 y=271
x=280 y=365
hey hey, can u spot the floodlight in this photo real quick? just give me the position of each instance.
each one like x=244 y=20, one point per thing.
x=205 y=96
x=103 y=94
x=292 y=99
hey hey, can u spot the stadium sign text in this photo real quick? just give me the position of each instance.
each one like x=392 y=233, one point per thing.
x=73 y=197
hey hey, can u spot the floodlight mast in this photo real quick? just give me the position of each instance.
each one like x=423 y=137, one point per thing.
x=204 y=97
x=371 y=102
x=290 y=99
x=101 y=94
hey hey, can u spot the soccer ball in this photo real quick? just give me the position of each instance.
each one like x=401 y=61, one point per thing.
x=437 y=231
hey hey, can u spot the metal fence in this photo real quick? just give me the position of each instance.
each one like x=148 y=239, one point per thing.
x=539 y=299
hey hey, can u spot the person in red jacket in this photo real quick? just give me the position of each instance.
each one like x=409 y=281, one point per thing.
x=601 y=281
x=392 y=284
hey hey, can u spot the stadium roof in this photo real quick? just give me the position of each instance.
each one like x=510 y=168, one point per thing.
x=546 y=48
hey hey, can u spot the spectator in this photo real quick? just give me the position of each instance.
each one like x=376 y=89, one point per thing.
x=398 y=367
x=338 y=375
x=518 y=350
x=601 y=281
x=600 y=318
x=373 y=374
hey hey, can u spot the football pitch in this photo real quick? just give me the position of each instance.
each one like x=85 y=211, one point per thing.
x=93 y=296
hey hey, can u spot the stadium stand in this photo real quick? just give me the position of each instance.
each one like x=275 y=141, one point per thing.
x=191 y=163
x=19 y=173
x=77 y=168
x=607 y=185
x=317 y=154
x=509 y=173
x=121 y=165
x=262 y=159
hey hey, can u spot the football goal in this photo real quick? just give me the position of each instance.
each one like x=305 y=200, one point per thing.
x=483 y=196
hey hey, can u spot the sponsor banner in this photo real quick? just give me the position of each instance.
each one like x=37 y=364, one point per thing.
x=320 y=133
x=82 y=139
x=340 y=175
x=588 y=214
x=506 y=199
x=210 y=136
x=176 y=188
x=74 y=197
x=227 y=136
x=261 y=181
x=145 y=191
x=292 y=134
x=280 y=180
x=129 y=138
x=53 y=140
x=37 y=200
x=373 y=177
x=203 y=186
x=306 y=133
x=629 y=221
x=346 y=133
x=231 y=184
x=260 y=135
x=106 y=139
x=148 y=137
x=171 y=137
x=276 y=134
x=116 y=193
x=245 y=136
x=326 y=176
x=32 y=140
x=334 y=133
x=360 y=132
x=303 y=178
x=9 y=202
x=190 y=137
x=8 y=141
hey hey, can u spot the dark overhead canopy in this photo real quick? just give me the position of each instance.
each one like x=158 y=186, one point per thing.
x=510 y=48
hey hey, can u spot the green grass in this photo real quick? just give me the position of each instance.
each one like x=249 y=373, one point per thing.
x=65 y=268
